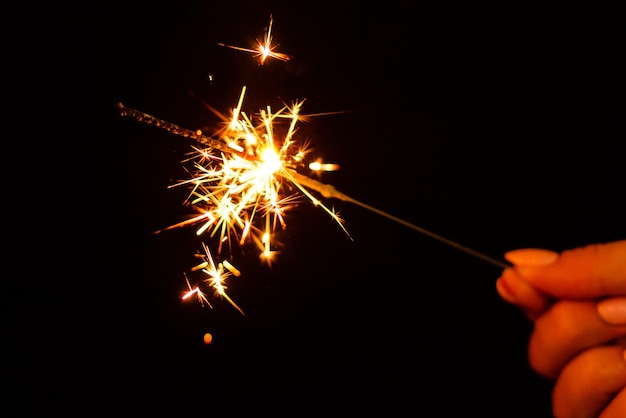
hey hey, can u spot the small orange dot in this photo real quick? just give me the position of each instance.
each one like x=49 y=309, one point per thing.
x=208 y=338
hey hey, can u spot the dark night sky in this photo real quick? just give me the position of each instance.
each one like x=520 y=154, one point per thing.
x=497 y=127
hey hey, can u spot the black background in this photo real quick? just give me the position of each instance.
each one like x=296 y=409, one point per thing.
x=498 y=127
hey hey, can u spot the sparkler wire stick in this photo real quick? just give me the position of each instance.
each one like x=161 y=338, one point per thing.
x=173 y=128
x=329 y=191
x=326 y=190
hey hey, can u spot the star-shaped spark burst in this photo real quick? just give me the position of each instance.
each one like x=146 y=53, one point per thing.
x=243 y=190
x=265 y=49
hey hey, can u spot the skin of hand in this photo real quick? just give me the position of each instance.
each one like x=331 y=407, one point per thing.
x=577 y=302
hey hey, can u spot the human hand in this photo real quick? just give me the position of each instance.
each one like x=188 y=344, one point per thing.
x=577 y=302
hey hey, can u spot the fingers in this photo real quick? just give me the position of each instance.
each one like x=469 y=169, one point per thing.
x=592 y=382
x=592 y=271
x=566 y=329
x=517 y=291
x=577 y=300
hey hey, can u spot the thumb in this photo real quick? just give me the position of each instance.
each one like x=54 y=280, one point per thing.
x=591 y=271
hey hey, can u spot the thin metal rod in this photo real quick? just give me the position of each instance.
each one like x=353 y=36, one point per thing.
x=329 y=191
x=326 y=190
x=446 y=241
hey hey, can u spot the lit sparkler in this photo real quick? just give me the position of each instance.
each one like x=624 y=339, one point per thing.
x=265 y=49
x=273 y=181
x=245 y=177
x=243 y=181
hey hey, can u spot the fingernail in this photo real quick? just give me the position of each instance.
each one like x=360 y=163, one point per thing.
x=613 y=310
x=531 y=257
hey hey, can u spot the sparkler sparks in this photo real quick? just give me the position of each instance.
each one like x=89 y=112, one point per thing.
x=247 y=175
x=195 y=291
x=218 y=273
x=243 y=182
x=265 y=49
